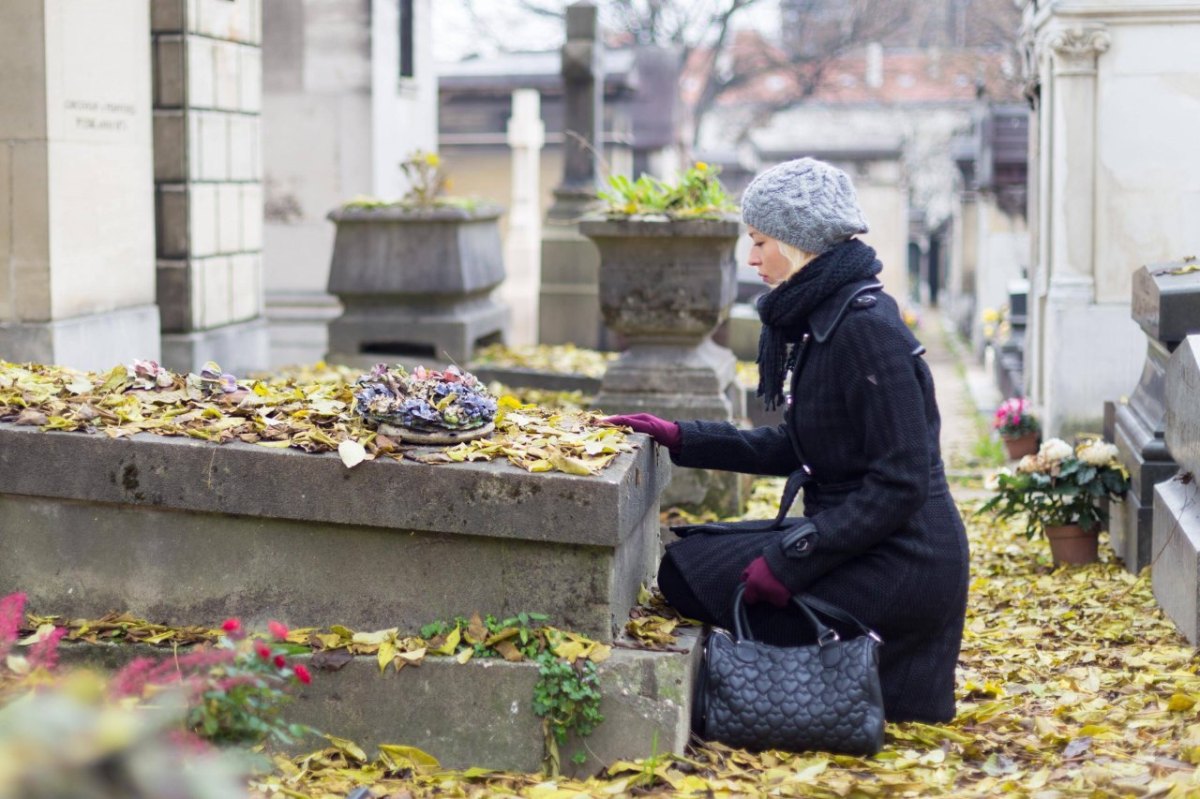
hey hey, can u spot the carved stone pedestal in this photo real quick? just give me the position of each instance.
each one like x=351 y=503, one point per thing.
x=665 y=286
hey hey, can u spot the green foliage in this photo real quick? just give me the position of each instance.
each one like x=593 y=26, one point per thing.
x=988 y=451
x=697 y=195
x=528 y=641
x=567 y=697
x=427 y=182
x=1060 y=485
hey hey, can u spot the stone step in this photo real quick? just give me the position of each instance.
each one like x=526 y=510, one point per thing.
x=478 y=713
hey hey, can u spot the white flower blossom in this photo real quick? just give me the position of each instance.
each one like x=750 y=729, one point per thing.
x=992 y=481
x=1097 y=453
x=1055 y=450
x=1029 y=464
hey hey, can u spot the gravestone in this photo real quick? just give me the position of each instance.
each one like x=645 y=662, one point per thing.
x=568 y=307
x=76 y=177
x=1166 y=304
x=183 y=532
x=1175 y=549
x=1010 y=355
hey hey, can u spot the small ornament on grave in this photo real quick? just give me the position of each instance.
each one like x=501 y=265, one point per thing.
x=426 y=406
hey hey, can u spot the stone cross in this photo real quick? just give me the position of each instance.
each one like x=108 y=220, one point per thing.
x=583 y=94
x=522 y=245
x=569 y=311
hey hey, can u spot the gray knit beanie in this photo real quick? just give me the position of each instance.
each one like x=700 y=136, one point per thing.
x=806 y=203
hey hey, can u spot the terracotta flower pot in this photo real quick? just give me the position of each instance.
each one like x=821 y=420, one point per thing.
x=1071 y=544
x=1020 y=446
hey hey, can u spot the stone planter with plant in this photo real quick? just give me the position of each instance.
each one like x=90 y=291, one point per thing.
x=667 y=280
x=415 y=276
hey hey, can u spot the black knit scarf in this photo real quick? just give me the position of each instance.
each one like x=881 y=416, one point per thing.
x=785 y=309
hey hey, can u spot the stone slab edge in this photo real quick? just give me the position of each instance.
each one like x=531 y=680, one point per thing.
x=1175 y=576
x=1182 y=389
x=478 y=713
x=177 y=473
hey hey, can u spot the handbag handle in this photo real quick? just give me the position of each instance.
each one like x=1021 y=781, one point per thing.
x=807 y=603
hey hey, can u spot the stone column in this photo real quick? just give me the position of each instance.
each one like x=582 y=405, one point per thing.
x=1175 y=548
x=522 y=247
x=76 y=184
x=1070 y=282
x=208 y=177
x=1166 y=304
x=569 y=304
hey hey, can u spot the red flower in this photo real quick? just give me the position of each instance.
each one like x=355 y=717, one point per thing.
x=263 y=650
x=231 y=625
x=278 y=629
x=280 y=661
x=303 y=675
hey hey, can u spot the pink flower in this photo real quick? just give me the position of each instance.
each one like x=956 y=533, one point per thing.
x=263 y=650
x=278 y=629
x=45 y=652
x=12 y=613
x=302 y=675
x=231 y=625
x=280 y=661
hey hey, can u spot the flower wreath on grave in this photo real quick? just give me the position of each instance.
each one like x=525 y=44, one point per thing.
x=426 y=406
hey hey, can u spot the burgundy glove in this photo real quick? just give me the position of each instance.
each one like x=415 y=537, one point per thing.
x=763 y=586
x=663 y=432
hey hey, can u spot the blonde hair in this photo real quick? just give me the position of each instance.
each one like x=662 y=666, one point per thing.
x=797 y=257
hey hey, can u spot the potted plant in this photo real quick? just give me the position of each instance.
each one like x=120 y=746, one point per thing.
x=1061 y=492
x=415 y=275
x=1018 y=427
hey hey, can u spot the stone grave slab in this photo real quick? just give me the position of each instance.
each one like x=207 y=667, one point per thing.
x=1183 y=404
x=184 y=532
x=1175 y=577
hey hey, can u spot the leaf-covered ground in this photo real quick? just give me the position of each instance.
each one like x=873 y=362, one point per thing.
x=1071 y=683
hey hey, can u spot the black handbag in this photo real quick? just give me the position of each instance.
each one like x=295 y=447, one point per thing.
x=824 y=696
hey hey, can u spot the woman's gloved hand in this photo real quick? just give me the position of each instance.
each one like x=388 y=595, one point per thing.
x=663 y=432
x=763 y=586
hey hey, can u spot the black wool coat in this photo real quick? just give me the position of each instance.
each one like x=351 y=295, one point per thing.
x=891 y=547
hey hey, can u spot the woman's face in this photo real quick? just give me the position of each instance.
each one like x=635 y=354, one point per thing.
x=765 y=257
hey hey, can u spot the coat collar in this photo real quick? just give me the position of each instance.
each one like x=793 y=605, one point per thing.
x=829 y=314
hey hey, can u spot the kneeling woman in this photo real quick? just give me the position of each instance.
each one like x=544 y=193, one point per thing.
x=889 y=545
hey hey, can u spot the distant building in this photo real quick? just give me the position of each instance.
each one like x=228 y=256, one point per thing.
x=887 y=115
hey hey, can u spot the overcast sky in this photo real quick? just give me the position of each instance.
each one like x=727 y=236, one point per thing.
x=454 y=35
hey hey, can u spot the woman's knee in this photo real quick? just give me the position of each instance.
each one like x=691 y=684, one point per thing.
x=677 y=592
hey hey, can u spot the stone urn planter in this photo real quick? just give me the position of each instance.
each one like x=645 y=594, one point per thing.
x=415 y=283
x=664 y=287
x=1073 y=545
